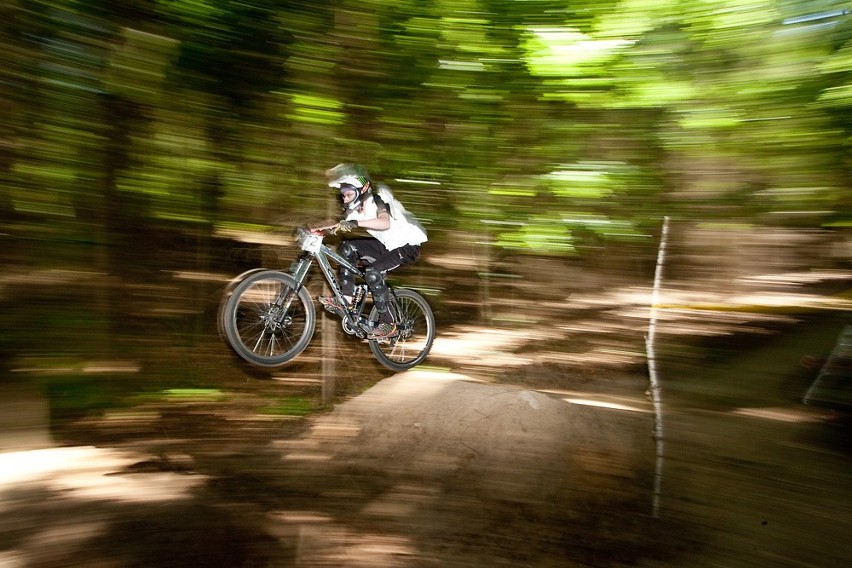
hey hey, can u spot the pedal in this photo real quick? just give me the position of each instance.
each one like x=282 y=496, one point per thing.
x=331 y=309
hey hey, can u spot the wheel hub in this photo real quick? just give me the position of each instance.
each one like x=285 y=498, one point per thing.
x=273 y=320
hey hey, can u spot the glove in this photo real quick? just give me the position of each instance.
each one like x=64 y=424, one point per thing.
x=345 y=226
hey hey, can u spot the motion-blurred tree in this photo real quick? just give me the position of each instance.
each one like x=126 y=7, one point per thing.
x=547 y=125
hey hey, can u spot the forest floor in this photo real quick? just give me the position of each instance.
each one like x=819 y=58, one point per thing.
x=527 y=442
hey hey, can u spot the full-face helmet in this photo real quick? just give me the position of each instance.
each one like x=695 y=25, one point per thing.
x=348 y=177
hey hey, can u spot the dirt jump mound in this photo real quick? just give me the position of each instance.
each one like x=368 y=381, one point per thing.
x=460 y=468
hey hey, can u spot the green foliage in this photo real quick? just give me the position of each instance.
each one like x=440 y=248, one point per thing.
x=546 y=124
x=183 y=394
x=289 y=406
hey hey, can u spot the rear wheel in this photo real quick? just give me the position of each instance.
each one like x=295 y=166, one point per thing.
x=266 y=321
x=416 y=325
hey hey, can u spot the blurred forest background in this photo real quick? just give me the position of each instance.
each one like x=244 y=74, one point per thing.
x=149 y=142
x=151 y=150
x=547 y=126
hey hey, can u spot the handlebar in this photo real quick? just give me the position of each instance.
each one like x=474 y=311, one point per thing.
x=310 y=238
x=324 y=230
x=330 y=229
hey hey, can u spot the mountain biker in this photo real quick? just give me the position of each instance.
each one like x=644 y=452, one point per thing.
x=394 y=241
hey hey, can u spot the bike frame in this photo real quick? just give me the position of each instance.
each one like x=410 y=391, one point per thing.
x=314 y=249
x=258 y=327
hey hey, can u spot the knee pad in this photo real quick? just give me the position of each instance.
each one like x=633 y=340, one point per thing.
x=376 y=282
x=348 y=251
x=373 y=278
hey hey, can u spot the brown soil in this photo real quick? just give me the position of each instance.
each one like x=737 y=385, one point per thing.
x=526 y=444
x=437 y=468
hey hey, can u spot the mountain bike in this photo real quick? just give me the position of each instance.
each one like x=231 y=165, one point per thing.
x=268 y=317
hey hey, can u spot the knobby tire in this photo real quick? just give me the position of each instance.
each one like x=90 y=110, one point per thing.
x=257 y=330
x=417 y=332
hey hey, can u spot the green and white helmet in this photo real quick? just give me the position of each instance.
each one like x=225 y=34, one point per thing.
x=347 y=177
x=349 y=174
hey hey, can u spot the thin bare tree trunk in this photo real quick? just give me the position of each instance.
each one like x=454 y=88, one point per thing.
x=652 y=369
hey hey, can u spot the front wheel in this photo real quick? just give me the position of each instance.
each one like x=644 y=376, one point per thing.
x=416 y=324
x=266 y=321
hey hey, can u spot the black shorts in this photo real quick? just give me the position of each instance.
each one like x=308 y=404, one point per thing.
x=375 y=255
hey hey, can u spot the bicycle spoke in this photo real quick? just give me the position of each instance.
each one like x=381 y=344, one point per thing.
x=416 y=332
x=259 y=329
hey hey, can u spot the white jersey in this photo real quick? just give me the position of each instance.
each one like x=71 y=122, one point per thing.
x=404 y=228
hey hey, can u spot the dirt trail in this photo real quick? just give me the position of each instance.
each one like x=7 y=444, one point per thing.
x=439 y=469
x=423 y=469
x=435 y=468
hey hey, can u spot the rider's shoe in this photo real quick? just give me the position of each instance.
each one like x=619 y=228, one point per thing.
x=332 y=304
x=383 y=331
